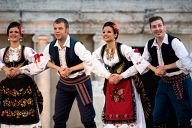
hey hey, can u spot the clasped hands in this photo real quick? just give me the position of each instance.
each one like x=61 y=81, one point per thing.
x=64 y=72
x=115 y=79
x=11 y=72
x=160 y=70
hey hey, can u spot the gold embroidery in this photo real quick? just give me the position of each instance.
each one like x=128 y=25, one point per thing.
x=120 y=68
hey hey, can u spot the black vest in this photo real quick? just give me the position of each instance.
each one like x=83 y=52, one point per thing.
x=71 y=58
x=21 y=62
x=123 y=63
x=168 y=53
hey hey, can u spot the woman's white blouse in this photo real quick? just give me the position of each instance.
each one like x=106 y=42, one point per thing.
x=14 y=53
x=33 y=68
x=140 y=65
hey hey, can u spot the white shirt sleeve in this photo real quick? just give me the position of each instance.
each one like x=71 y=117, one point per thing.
x=131 y=71
x=91 y=64
x=138 y=61
x=29 y=54
x=185 y=64
x=85 y=56
x=36 y=66
x=1 y=58
x=146 y=55
x=99 y=68
x=179 y=48
x=46 y=52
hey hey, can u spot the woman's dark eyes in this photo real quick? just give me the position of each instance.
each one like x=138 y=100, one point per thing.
x=14 y=32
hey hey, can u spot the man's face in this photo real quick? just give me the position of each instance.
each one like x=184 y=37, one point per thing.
x=157 y=28
x=60 y=31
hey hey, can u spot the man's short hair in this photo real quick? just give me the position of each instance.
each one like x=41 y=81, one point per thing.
x=154 y=18
x=62 y=20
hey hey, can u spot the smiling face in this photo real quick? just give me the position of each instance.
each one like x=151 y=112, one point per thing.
x=60 y=31
x=158 y=28
x=108 y=34
x=14 y=34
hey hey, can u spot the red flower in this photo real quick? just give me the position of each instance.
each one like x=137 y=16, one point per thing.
x=136 y=50
x=37 y=57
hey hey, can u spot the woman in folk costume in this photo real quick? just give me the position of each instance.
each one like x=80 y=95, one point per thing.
x=20 y=100
x=123 y=108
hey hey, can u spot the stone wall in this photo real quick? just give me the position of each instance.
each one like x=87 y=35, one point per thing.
x=86 y=18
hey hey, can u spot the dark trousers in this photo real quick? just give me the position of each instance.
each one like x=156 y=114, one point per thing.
x=165 y=97
x=65 y=97
x=150 y=81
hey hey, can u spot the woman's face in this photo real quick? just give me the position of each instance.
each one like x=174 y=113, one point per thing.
x=14 y=34
x=108 y=34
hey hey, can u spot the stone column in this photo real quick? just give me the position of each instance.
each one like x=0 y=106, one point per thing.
x=43 y=80
x=98 y=41
x=98 y=97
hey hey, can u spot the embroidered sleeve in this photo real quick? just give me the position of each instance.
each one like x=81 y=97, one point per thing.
x=134 y=55
x=37 y=65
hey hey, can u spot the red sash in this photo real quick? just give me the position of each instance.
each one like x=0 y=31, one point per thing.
x=119 y=102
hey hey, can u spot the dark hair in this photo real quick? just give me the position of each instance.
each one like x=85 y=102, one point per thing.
x=154 y=18
x=113 y=26
x=62 y=20
x=14 y=24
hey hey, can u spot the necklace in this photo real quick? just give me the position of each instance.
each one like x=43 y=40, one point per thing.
x=110 y=53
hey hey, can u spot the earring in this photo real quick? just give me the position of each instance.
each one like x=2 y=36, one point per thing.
x=8 y=39
x=20 y=40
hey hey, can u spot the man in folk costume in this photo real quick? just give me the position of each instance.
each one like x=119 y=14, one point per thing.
x=68 y=57
x=162 y=52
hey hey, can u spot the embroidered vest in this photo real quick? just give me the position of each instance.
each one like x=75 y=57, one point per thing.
x=21 y=61
x=168 y=53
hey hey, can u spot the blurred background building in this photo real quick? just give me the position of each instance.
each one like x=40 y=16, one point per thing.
x=86 y=18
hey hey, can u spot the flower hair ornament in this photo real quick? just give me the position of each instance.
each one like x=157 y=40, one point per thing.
x=115 y=27
x=21 y=30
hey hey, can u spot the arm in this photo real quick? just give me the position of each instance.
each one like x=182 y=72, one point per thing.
x=92 y=63
x=146 y=55
x=170 y=66
x=9 y=72
x=35 y=66
x=98 y=64
x=131 y=71
x=139 y=62
x=65 y=71
x=77 y=67
x=181 y=53
x=185 y=64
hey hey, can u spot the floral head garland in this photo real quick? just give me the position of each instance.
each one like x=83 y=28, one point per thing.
x=21 y=30
x=115 y=28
